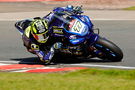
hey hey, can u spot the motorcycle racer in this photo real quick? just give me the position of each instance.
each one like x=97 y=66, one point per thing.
x=37 y=39
x=69 y=32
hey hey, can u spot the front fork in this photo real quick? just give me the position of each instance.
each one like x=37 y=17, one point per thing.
x=92 y=42
x=91 y=48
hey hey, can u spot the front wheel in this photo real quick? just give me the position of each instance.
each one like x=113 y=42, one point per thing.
x=107 y=50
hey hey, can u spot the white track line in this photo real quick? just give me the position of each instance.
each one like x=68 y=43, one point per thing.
x=2 y=64
x=103 y=66
x=9 y=61
x=84 y=65
x=15 y=62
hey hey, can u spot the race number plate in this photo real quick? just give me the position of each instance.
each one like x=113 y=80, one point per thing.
x=78 y=27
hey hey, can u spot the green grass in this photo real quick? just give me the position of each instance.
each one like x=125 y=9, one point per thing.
x=130 y=8
x=89 y=79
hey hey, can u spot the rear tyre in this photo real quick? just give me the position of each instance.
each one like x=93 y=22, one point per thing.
x=107 y=50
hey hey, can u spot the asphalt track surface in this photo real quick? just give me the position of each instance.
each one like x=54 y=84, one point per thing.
x=121 y=32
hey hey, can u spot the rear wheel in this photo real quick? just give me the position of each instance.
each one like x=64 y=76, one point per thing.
x=107 y=50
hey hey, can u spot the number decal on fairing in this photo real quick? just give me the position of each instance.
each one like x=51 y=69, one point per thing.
x=77 y=27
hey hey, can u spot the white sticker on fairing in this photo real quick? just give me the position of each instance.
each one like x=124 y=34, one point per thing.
x=78 y=27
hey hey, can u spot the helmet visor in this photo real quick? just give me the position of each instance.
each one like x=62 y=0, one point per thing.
x=41 y=38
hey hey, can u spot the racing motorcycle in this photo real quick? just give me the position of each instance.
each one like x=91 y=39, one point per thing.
x=80 y=40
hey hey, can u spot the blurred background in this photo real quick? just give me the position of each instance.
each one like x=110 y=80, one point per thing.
x=97 y=4
x=34 y=5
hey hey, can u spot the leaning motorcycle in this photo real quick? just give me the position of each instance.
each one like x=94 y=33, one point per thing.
x=80 y=40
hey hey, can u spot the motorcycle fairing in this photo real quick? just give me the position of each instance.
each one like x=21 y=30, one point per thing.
x=82 y=32
x=87 y=21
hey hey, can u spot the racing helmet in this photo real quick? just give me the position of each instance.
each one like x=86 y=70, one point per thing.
x=39 y=30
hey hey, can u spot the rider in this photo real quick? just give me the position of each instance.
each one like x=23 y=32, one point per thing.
x=35 y=36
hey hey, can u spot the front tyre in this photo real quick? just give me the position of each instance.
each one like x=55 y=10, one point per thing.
x=107 y=50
